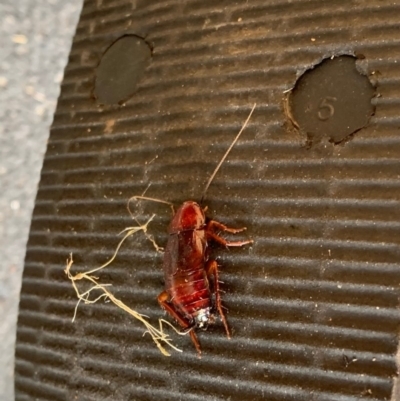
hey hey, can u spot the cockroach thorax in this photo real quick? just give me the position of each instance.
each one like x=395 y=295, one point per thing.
x=189 y=216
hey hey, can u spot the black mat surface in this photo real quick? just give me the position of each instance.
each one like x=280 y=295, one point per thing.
x=313 y=304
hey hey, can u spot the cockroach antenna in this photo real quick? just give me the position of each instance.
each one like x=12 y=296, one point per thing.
x=226 y=154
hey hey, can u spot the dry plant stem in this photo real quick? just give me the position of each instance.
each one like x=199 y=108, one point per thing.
x=159 y=337
x=130 y=231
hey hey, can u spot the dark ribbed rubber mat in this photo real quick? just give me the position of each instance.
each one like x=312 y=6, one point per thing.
x=313 y=304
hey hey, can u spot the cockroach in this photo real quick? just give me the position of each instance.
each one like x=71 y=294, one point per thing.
x=188 y=268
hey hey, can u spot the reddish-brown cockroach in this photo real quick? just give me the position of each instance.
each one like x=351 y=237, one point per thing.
x=188 y=267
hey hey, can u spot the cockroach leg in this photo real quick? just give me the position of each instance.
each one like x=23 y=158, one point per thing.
x=163 y=300
x=222 y=241
x=213 y=226
x=212 y=270
x=217 y=226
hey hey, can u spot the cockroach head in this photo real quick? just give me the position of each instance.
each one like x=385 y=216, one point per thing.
x=189 y=216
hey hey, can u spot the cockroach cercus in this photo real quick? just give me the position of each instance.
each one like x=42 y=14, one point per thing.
x=188 y=268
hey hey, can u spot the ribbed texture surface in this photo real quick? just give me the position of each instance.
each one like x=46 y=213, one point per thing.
x=313 y=305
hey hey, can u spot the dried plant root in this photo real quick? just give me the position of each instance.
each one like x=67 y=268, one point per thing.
x=159 y=337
